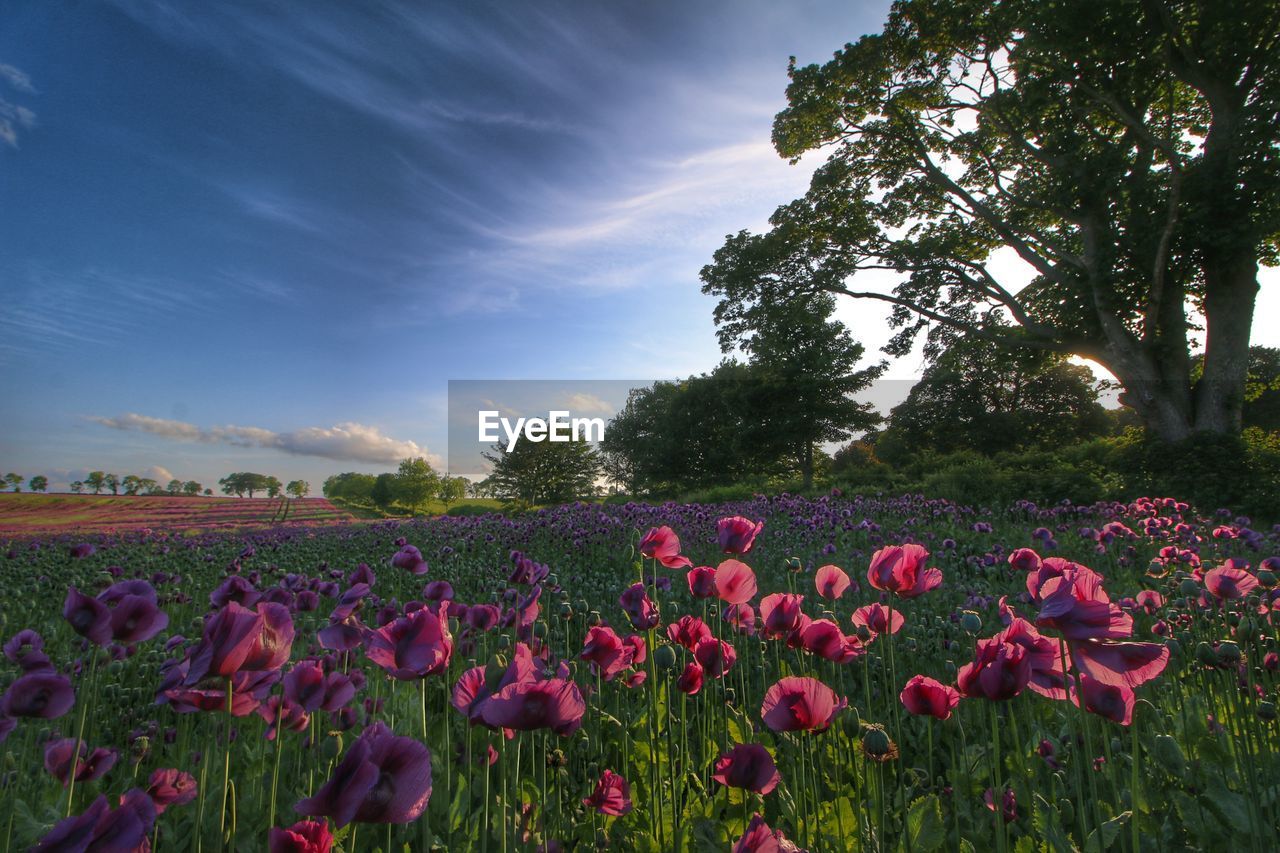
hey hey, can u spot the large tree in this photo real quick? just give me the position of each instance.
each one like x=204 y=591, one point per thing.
x=38 y=483
x=350 y=485
x=1124 y=150
x=416 y=482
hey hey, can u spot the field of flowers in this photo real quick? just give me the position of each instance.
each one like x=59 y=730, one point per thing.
x=776 y=674
x=26 y=514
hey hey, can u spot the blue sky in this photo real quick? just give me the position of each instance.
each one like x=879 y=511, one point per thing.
x=250 y=236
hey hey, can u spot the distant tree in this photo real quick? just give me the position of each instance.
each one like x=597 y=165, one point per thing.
x=131 y=484
x=38 y=483
x=148 y=486
x=191 y=487
x=804 y=362
x=298 y=488
x=208 y=492
x=273 y=487
x=112 y=482
x=416 y=482
x=452 y=489
x=13 y=481
x=77 y=486
x=244 y=483
x=383 y=493
x=174 y=487
x=544 y=472
x=350 y=486
x=96 y=481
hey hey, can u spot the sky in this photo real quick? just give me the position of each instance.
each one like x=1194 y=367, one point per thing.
x=250 y=236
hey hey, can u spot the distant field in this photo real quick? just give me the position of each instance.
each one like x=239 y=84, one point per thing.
x=30 y=513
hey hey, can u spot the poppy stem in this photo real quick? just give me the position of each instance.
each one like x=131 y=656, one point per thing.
x=226 y=770
x=997 y=793
x=84 y=707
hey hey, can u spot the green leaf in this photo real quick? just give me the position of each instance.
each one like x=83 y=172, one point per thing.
x=1104 y=836
x=925 y=830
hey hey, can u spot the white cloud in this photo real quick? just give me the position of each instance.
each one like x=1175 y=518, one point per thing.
x=345 y=441
x=16 y=78
x=160 y=474
x=588 y=404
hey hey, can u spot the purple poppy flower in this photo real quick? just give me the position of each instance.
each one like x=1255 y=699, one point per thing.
x=101 y=827
x=88 y=617
x=381 y=779
x=44 y=694
x=89 y=764
x=136 y=619
x=170 y=787
x=410 y=559
x=412 y=646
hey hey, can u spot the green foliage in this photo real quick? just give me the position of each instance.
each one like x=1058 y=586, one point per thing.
x=38 y=483
x=543 y=472
x=1130 y=175
x=416 y=482
x=350 y=486
x=244 y=483
x=298 y=488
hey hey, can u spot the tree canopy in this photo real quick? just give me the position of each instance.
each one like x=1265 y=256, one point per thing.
x=1125 y=151
x=543 y=472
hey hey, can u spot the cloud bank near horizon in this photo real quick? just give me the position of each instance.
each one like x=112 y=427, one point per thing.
x=344 y=442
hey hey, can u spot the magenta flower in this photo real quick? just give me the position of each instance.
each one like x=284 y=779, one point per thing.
x=1000 y=670
x=236 y=639
x=735 y=582
x=308 y=686
x=382 y=778
x=555 y=704
x=824 y=638
x=1230 y=580
x=1075 y=604
x=875 y=618
x=900 y=569
x=608 y=653
x=413 y=646
x=305 y=836
x=1008 y=804
x=759 y=838
x=831 y=582
x=781 y=613
x=797 y=703
x=702 y=582
x=662 y=544
x=60 y=755
x=612 y=795
x=688 y=631
x=737 y=535
x=748 y=766
x=639 y=608
x=715 y=656
x=690 y=681
x=169 y=787
x=1024 y=560
x=927 y=696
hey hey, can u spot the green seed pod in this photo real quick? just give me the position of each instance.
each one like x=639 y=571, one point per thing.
x=1169 y=754
x=950 y=668
x=504 y=642
x=664 y=657
x=794 y=564
x=1189 y=588
x=1246 y=630
x=1229 y=652
x=971 y=622
x=1267 y=578
x=539 y=629
x=566 y=610
x=910 y=644
x=1206 y=655
x=876 y=742
x=593 y=618
x=1267 y=711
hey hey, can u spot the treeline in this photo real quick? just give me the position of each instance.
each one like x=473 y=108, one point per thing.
x=984 y=425
x=247 y=483
x=411 y=488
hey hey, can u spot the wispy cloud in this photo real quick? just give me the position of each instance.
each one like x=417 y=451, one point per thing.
x=351 y=442
x=15 y=117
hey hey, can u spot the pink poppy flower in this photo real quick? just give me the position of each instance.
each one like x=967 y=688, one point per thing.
x=612 y=795
x=688 y=631
x=662 y=544
x=1229 y=581
x=716 y=656
x=780 y=613
x=690 y=681
x=702 y=582
x=927 y=696
x=759 y=838
x=555 y=704
x=875 y=617
x=900 y=569
x=735 y=582
x=748 y=766
x=831 y=582
x=305 y=836
x=737 y=534
x=412 y=646
x=796 y=703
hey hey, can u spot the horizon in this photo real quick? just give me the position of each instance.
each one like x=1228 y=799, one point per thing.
x=253 y=239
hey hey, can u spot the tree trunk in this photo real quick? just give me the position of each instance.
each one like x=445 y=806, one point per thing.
x=1231 y=290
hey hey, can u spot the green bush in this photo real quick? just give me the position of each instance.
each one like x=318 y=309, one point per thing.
x=467 y=509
